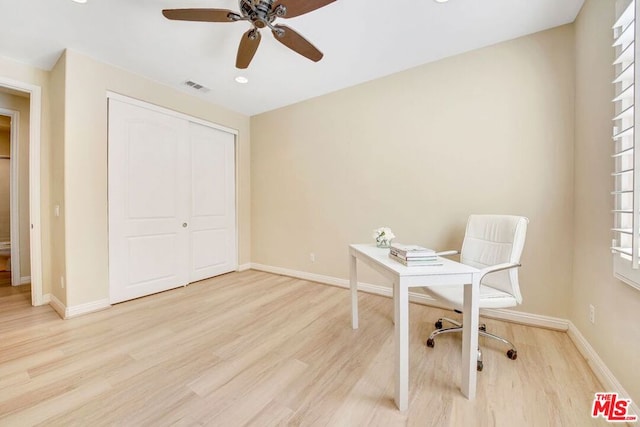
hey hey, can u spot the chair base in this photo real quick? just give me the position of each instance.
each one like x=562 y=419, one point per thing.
x=512 y=353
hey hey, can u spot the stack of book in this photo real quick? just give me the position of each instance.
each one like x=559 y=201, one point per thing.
x=413 y=255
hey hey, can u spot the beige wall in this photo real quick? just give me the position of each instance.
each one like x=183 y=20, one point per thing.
x=21 y=104
x=616 y=334
x=490 y=131
x=85 y=165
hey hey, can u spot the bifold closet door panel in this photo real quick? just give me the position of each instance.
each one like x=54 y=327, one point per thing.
x=212 y=225
x=148 y=205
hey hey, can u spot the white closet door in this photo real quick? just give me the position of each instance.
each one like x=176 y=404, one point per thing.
x=213 y=219
x=148 y=201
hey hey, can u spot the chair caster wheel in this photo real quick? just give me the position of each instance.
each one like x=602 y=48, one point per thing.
x=480 y=366
x=431 y=343
x=438 y=324
x=512 y=354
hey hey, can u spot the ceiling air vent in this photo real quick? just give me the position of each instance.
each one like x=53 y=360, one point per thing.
x=197 y=86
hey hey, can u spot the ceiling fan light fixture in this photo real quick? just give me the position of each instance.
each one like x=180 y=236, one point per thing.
x=242 y=80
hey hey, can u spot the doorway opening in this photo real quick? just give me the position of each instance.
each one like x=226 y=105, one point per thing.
x=10 y=271
x=21 y=103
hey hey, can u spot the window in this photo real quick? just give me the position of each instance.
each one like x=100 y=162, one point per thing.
x=626 y=194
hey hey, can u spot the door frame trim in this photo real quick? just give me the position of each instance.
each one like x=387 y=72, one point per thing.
x=35 y=236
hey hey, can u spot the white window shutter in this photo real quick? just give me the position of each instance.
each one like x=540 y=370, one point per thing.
x=626 y=172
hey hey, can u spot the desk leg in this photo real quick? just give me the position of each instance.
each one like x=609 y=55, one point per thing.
x=353 y=284
x=401 y=328
x=470 y=337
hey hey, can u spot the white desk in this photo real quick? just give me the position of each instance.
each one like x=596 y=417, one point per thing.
x=403 y=278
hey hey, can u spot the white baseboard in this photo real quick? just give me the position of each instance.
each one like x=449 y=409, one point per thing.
x=23 y=281
x=77 y=310
x=57 y=305
x=86 y=308
x=327 y=280
x=528 y=319
x=421 y=298
x=244 y=267
x=599 y=368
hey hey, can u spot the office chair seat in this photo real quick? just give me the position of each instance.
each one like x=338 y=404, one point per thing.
x=489 y=297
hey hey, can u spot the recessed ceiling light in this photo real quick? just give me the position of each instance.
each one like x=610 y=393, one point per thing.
x=80 y=1
x=441 y=1
x=242 y=79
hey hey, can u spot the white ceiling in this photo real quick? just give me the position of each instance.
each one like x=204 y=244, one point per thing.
x=361 y=40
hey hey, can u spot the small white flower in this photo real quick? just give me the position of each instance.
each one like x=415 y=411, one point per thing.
x=383 y=234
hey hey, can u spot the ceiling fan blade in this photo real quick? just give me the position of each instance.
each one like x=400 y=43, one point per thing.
x=296 y=42
x=203 y=15
x=300 y=7
x=248 y=46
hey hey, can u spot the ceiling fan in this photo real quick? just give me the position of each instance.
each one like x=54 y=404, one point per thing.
x=260 y=13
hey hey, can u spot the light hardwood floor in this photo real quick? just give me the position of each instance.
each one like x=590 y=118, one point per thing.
x=259 y=349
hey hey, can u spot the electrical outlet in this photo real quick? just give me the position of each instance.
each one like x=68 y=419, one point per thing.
x=312 y=257
x=592 y=314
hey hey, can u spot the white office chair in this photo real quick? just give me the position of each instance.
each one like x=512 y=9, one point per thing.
x=493 y=244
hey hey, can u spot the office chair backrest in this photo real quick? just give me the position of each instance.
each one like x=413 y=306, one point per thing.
x=495 y=239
